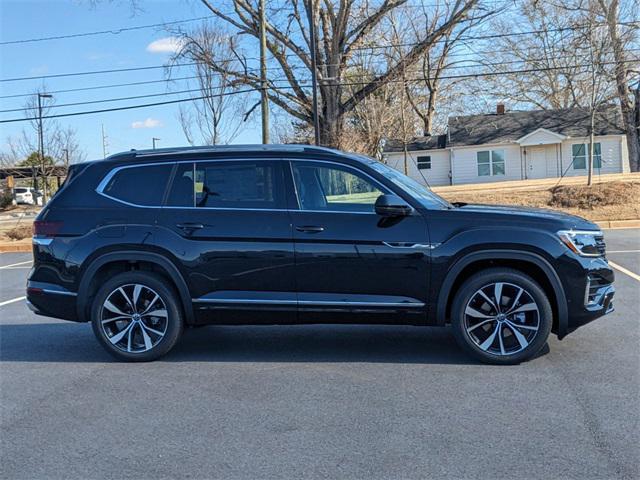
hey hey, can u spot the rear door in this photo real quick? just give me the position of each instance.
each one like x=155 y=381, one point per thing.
x=227 y=223
x=349 y=260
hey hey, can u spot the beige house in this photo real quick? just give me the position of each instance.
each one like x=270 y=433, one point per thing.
x=514 y=146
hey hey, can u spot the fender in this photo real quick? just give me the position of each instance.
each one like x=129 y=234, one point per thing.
x=545 y=266
x=136 y=255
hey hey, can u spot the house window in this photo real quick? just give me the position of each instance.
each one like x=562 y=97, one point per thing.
x=490 y=163
x=580 y=155
x=424 y=163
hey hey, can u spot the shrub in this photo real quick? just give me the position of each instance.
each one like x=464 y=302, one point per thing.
x=598 y=195
x=20 y=232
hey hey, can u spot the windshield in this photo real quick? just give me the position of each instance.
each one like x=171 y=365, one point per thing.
x=418 y=191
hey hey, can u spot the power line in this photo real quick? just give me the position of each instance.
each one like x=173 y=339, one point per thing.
x=368 y=47
x=98 y=87
x=130 y=107
x=116 y=31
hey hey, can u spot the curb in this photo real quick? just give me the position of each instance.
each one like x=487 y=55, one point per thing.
x=17 y=248
x=618 y=223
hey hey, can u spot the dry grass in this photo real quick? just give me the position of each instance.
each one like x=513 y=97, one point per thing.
x=19 y=233
x=606 y=201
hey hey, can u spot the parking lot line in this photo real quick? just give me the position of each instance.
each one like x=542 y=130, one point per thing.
x=13 y=300
x=623 y=251
x=15 y=264
x=635 y=276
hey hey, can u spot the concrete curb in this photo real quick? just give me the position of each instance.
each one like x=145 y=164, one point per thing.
x=15 y=247
x=618 y=223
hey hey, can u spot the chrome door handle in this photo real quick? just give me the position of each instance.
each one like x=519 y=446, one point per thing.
x=190 y=227
x=310 y=229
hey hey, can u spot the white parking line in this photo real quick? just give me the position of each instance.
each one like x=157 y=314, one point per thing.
x=623 y=251
x=13 y=300
x=15 y=264
x=635 y=276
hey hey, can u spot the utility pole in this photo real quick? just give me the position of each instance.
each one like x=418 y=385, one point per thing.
x=41 y=145
x=104 y=143
x=154 y=140
x=264 y=97
x=314 y=69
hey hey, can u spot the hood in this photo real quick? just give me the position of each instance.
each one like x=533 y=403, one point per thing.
x=535 y=215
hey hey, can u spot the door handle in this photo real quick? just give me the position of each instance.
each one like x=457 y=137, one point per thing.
x=190 y=227
x=310 y=229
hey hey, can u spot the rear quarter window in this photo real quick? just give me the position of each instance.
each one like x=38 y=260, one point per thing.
x=140 y=185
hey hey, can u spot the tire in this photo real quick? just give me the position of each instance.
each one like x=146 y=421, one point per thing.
x=505 y=334
x=140 y=334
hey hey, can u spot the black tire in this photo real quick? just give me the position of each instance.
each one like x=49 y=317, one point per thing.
x=139 y=343
x=471 y=314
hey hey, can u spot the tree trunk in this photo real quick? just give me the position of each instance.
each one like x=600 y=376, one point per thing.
x=632 y=121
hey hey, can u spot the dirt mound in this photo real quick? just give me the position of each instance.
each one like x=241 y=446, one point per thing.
x=598 y=195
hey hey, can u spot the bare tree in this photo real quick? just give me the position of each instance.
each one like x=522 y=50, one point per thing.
x=344 y=27
x=217 y=115
x=60 y=143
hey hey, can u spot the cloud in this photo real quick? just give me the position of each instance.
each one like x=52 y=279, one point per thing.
x=166 y=45
x=148 y=123
x=39 y=70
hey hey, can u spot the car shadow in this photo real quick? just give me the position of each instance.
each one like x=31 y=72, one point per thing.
x=71 y=342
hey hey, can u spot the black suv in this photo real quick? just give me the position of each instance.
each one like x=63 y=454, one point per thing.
x=146 y=243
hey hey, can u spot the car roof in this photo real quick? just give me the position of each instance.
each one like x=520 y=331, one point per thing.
x=266 y=151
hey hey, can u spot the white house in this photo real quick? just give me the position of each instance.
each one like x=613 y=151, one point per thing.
x=514 y=146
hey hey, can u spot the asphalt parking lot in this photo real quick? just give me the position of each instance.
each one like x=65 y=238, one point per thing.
x=319 y=401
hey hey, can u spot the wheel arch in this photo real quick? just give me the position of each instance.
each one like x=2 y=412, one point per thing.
x=529 y=263
x=130 y=259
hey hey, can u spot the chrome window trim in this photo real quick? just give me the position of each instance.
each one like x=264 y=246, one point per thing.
x=105 y=180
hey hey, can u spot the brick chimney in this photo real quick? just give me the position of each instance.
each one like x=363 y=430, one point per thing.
x=500 y=109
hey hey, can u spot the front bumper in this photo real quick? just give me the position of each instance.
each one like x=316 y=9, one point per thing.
x=597 y=294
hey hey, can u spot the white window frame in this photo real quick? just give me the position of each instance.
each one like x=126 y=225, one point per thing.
x=492 y=162
x=596 y=156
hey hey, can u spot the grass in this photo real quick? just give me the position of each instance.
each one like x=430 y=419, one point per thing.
x=605 y=201
x=19 y=233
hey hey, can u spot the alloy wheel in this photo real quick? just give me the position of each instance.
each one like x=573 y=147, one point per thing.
x=134 y=318
x=502 y=318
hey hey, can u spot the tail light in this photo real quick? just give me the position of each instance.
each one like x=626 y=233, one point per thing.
x=46 y=229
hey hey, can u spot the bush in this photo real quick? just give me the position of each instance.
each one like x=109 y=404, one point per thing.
x=6 y=200
x=20 y=232
x=598 y=195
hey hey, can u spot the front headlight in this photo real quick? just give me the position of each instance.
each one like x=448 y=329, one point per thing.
x=586 y=243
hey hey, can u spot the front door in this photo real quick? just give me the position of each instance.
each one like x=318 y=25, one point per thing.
x=229 y=226
x=537 y=163
x=349 y=260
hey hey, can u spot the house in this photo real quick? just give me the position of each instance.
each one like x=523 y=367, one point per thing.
x=514 y=145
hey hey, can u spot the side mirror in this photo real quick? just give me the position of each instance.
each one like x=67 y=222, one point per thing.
x=392 y=206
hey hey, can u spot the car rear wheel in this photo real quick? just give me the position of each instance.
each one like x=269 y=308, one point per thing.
x=501 y=316
x=136 y=316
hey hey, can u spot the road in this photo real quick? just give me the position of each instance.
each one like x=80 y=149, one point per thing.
x=319 y=401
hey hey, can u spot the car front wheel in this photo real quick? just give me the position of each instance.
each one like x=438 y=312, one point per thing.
x=136 y=316
x=501 y=316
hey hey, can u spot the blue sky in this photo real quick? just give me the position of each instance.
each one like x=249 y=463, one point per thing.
x=26 y=19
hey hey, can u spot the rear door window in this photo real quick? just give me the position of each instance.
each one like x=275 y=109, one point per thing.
x=142 y=185
x=239 y=184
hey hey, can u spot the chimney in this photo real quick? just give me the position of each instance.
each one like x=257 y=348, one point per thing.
x=500 y=109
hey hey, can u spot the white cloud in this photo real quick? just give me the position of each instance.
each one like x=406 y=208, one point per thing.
x=148 y=123
x=166 y=45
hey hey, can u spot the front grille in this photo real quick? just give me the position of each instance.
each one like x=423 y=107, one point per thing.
x=600 y=245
